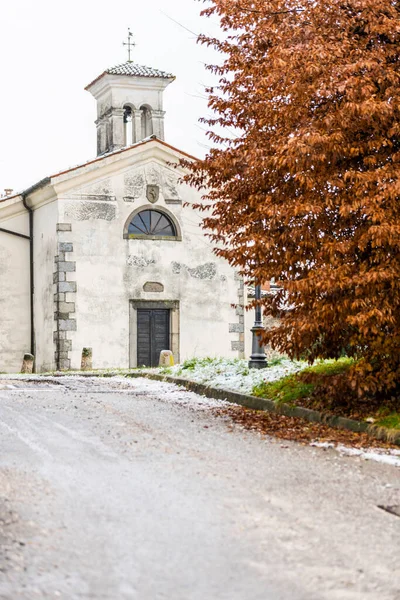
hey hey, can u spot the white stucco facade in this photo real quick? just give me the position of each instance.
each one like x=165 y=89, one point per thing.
x=89 y=276
x=92 y=277
x=14 y=290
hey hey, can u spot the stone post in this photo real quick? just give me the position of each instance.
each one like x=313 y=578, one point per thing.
x=86 y=363
x=27 y=364
x=166 y=358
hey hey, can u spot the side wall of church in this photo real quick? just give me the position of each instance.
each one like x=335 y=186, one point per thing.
x=14 y=294
x=111 y=273
x=45 y=251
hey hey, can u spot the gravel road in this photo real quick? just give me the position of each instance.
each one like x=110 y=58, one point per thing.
x=113 y=489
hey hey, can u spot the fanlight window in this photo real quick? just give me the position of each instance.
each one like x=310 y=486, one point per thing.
x=151 y=223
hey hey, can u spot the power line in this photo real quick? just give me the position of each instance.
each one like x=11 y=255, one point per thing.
x=180 y=24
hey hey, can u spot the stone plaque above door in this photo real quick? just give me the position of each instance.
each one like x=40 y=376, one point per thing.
x=153 y=286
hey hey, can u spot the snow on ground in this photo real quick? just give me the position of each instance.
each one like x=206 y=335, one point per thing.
x=223 y=373
x=233 y=374
x=382 y=455
x=174 y=394
x=171 y=393
x=159 y=390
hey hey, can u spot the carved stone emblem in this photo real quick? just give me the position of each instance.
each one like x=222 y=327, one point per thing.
x=153 y=193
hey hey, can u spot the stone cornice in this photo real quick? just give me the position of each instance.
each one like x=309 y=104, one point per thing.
x=12 y=208
x=108 y=82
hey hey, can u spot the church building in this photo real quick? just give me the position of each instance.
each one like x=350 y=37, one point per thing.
x=108 y=256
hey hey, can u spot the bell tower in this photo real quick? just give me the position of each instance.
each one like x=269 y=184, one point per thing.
x=129 y=105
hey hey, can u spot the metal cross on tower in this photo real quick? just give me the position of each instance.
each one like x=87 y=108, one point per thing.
x=130 y=44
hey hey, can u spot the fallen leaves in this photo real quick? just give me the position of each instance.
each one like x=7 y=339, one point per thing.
x=296 y=429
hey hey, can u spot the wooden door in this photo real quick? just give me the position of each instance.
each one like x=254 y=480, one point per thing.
x=152 y=335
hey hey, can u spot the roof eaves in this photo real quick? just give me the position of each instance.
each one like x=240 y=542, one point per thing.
x=142 y=71
x=121 y=151
x=36 y=186
x=95 y=80
x=178 y=150
x=100 y=158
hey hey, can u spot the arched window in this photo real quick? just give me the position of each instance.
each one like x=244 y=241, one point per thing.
x=152 y=224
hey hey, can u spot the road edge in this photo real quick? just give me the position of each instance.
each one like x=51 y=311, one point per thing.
x=253 y=402
x=391 y=436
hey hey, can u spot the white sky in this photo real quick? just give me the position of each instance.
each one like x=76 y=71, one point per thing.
x=50 y=50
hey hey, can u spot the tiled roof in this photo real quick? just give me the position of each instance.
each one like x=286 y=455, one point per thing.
x=134 y=70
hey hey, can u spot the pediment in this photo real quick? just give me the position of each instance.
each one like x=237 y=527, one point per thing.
x=141 y=181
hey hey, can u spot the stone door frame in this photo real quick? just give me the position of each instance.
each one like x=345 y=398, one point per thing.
x=174 y=325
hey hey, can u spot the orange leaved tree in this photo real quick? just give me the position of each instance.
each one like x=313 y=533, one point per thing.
x=303 y=178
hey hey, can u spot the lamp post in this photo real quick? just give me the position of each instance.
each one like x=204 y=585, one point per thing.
x=257 y=358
